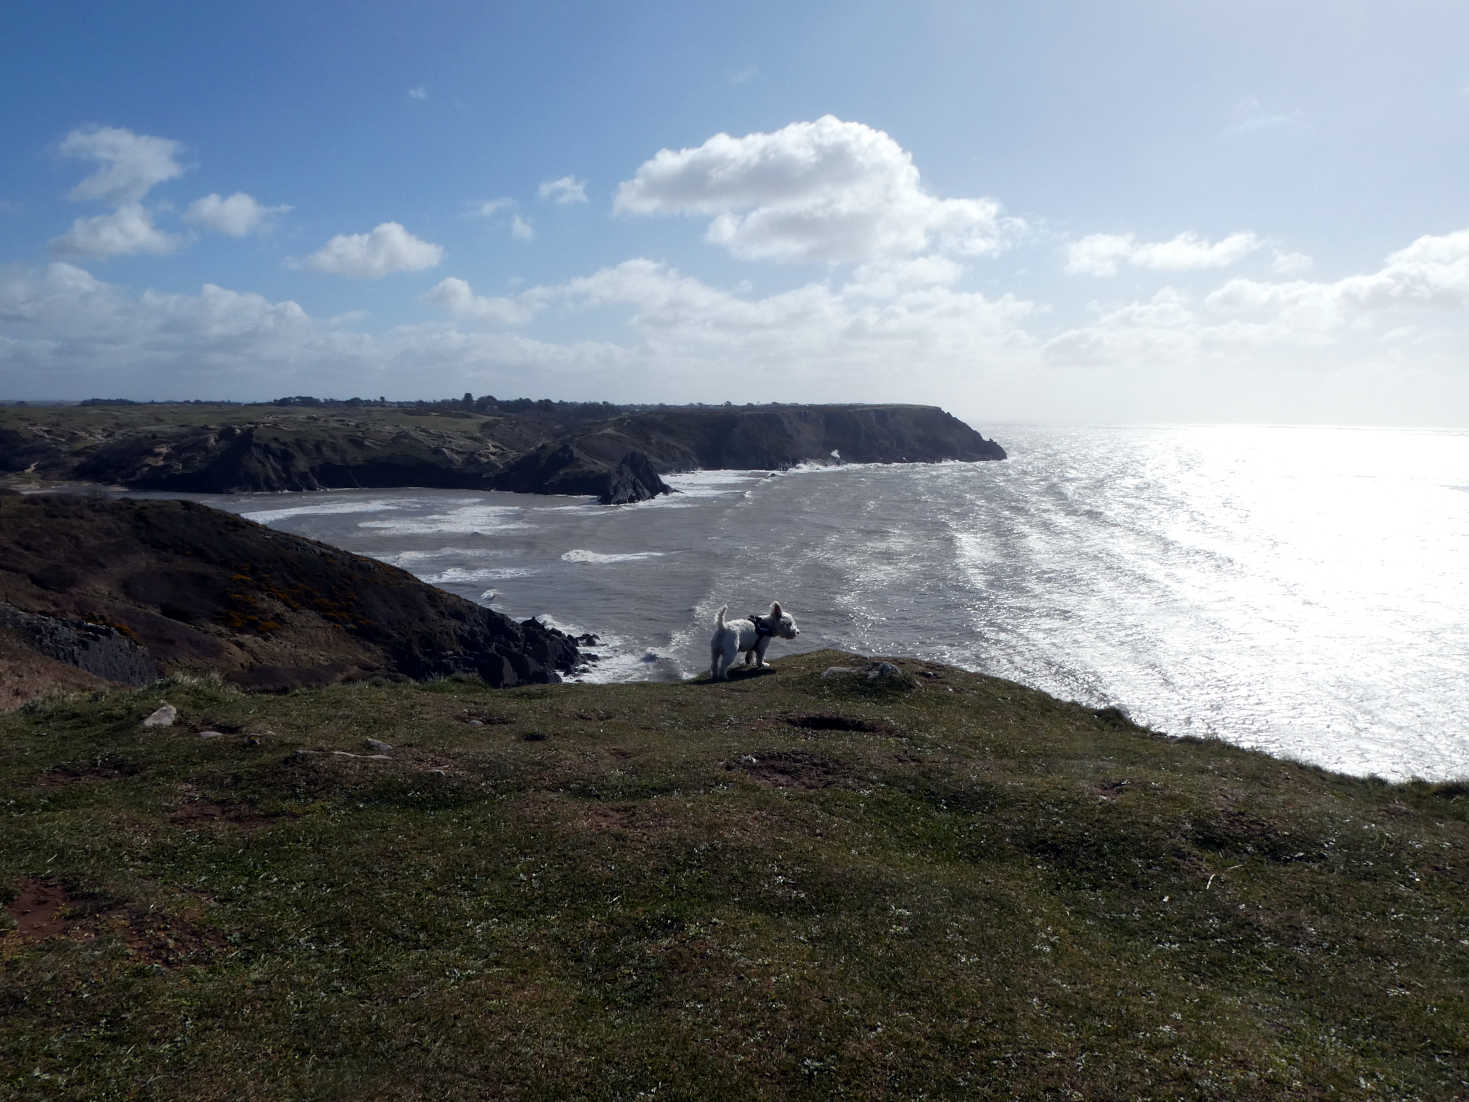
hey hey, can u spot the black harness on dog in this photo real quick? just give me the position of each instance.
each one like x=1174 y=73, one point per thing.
x=761 y=628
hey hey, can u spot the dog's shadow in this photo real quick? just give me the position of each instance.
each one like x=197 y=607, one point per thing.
x=742 y=673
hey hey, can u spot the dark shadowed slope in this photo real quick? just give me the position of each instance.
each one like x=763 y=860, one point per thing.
x=125 y=589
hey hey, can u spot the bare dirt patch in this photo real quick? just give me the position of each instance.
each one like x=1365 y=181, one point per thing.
x=43 y=909
x=791 y=769
x=37 y=910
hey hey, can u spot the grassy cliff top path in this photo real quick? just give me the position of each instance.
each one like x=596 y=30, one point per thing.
x=792 y=885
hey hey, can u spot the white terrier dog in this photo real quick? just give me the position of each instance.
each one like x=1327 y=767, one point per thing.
x=751 y=636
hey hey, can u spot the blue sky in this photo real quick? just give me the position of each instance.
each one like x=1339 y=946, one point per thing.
x=1128 y=212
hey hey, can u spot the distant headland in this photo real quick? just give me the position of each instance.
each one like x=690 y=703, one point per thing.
x=615 y=453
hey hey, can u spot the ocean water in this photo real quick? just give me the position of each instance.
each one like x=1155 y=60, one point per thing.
x=1300 y=590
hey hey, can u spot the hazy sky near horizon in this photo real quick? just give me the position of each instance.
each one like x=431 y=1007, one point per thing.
x=1097 y=212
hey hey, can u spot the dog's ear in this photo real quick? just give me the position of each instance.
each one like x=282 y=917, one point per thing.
x=775 y=609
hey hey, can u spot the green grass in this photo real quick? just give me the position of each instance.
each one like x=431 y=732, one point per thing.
x=779 y=887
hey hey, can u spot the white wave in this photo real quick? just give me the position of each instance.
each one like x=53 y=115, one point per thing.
x=577 y=554
x=322 y=508
x=468 y=575
x=407 y=559
x=471 y=518
x=705 y=484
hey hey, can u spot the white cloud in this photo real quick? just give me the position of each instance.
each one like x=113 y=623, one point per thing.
x=1432 y=272
x=1380 y=346
x=388 y=248
x=814 y=191
x=521 y=230
x=567 y=189
x=456 y=296
x=488 y=208
x=419 y=93
x=127 y=230
x=1250 y=116
x=237 y=215
x=1385 y=344
x=128 y=164
x=1100 y=253
x=65 y=334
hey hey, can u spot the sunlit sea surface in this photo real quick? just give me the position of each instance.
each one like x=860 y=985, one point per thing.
x=1300 y=590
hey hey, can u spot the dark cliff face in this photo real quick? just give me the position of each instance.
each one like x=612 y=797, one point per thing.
x=197 y=589
x=615 y=458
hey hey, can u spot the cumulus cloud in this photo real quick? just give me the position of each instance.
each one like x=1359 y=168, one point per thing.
x=456 y=296
x=521 y=229
x=1100 y=253
x=1390 y=341
x=388 y=248
x=238 y=215
x=827 y=190
x=65 y=334
x=419 y=93
x=128 y=229
x=128 y=164
x=1432 y=272
x=567 y=189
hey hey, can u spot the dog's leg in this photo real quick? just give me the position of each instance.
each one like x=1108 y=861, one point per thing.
x=759 y=651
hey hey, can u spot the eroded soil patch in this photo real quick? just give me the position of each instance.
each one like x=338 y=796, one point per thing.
x=792 y=769
x=37 y=910
x=43 y=909
x=210 y=811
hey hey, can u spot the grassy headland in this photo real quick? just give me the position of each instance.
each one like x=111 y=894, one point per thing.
x=787 y=886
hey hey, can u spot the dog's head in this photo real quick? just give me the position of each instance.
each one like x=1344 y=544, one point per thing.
x=782 y=623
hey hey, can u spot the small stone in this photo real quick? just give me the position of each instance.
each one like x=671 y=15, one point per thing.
x=212 y=734
x=163 y=717
x=376 y=744
x=838 y=671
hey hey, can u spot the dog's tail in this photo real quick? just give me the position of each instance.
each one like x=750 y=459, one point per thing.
x=720 y=622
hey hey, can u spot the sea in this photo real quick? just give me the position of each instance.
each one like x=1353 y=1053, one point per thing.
x=1300 y=590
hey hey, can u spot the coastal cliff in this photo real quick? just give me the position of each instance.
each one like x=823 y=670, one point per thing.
x=129 y=590
x=613 y=453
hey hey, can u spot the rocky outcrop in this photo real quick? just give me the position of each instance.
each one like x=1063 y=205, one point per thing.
x=96 y=648
x=188 y=588
x=633 y=480
x=566 y=469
